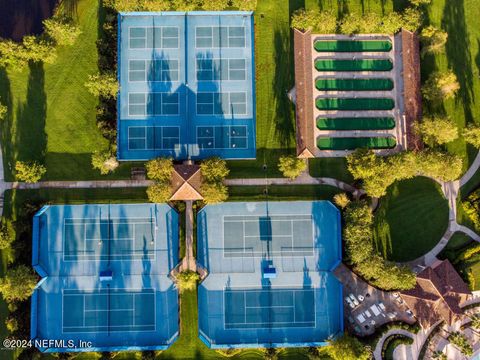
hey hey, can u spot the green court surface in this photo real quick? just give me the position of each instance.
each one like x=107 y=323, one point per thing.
x=354 y=84
x=354 y=104
x=352 y=45
x=360 y=123
x=350 y=143
x=353 y=65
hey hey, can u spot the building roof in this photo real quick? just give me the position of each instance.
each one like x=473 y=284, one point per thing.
x=304 y=90
x=186 y=182
x=437 y=295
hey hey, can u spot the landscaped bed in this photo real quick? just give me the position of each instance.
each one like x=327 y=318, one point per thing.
x=353 y=65
x=411 y=219
x=354 y=84
x=354 y=104
x=351 y=143
x=352 y=45
x=360 y=123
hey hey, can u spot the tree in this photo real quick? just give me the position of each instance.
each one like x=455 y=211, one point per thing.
x=475 y=321
x=471 y=134
x=184 y=5
x=214 y=193
x=291 y=166
x=245 y=5
x=439 y=165
x=7 y=233
x=214 y=169
x=440 y=86
x=104 y=85
x=433 y=40
x=160 y=169
x=437 y=130
x=38 y=50
x=159 y=192
x=61 y=30
x=215 y=4
x=30 y=172
x=104 y=161
x=18 y=284
x=187 y=280
x=11 y=324
x=420 y=2
x=348 y=347
x=411 y=19
x=391 y=23
x=438 y=355
x=12 y=55
x=156 y=5
x=3 y=111
x=322 y=22
x=351 y=24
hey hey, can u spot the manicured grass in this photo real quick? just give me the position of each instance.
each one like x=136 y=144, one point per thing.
x=330 y=167
x=327 y=84
x=353 y=65
x=410 y=219
x=282 y=192
x=354 y=104
x=352 y=143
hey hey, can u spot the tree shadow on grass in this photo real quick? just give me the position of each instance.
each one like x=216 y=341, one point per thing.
x=6 y=123
x=477 y=59
x=458 y=52
x=282 y=83
x=30 y=136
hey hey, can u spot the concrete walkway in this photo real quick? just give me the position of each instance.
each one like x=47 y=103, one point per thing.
x=189 y=262
x=377 y=353
x=471 y=170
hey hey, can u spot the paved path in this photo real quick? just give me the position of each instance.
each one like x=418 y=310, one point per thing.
x=189 y=262
x=303 y=179
x=377 y=353
x=471 y=170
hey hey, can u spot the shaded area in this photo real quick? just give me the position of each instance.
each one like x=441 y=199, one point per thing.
x=354 y=65
x=352 y=143
x=360 y=123
x=352 y=45
x=24 y=17
x=370 y=84
x=280 y=192
x=354 y=104
x=411 y=219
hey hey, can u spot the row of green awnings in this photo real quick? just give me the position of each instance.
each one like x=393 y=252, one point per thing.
x=353 y=45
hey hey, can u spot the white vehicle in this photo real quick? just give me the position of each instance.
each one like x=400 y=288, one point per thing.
x=396 y=295
x=354 y=299
x=360 y=298
x=349 y=302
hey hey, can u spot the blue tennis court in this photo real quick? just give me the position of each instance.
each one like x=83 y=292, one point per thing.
x=187 y=85
x=270 y=279
x=105 y=277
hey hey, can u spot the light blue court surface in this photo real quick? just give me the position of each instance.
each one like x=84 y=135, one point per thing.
x=105 y=277
x=186 y=85
x=270 y=279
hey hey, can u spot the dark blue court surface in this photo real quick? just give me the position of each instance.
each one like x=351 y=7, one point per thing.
x=186 y=85
x=105 y=276
x=270 y=281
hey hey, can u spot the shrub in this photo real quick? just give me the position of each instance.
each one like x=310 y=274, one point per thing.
x=184 y=5
x=437 y=130
x=390 y=344
x=291 y=166
x=7 y=233
x=461 y=342
x=214 y=193
x=215 y=4
x=104 y=85
x=214 y=169
x=341 y=200
x=61 y=30
x=245 y=5
x=159 y=193
x=433 y=40
x=440 y=86
x=11 y=324
x=187 y=280
x=420 y=2
x=348 y=347
x=160 y=169
x=18 y=284
x=156 y=5
x=104 y=161
x=471 y=134
x=3 y=111
x=30 y=172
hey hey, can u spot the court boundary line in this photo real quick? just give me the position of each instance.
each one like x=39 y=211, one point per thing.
x=176 y=146
x=245 y=36
x=229 y=140
x=147 y=115
x=281 y=288
x=84 y=291
x=272 y=253
x=87 y=257
x=179 y=37
x=146 y=71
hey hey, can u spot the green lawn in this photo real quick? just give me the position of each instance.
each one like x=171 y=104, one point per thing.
x=330 y=167
x=410 y=219
x=282 y=192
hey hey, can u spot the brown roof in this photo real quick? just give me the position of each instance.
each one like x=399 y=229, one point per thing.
x=302 y=47
x=412 y=96
x=437 y=295
x=186 y=182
